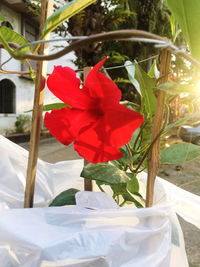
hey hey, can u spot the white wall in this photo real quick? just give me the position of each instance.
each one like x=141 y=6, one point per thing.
x=24 y=87
x=64 y=61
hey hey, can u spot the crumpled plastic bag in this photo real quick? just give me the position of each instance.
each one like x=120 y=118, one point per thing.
x=51 y=179
x=86 y=234
x=74 y=236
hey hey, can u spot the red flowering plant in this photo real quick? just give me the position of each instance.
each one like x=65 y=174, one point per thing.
x=99 y=126
x=96 y=122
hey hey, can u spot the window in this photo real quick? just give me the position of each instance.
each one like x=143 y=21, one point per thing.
x=7 y=96
x=7 y=24
x=30 y=32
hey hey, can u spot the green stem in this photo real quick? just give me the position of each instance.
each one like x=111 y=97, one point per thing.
x=131 y=158
x=122 y=204
x=139 y=134
x=31 y=74
x=100 y=188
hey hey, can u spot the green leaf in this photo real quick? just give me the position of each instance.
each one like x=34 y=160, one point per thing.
x=125 y=160
x=147 y=85
x=175 y=32
x=64 y=13
x=173 y=26
x=13 y=37
x=134 y=137
x=120 y=189
x=133 y=185
x=187 y=14
x=180 y=153
x=153 y=72
x=178 y=88
x=130 y=67
x=105 y=172
x=54 y=106
x=2 y=17
x=65 y=198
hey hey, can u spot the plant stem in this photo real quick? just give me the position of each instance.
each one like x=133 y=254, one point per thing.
x=100 y=188
x=122 y=204
x=158 y=126
x=139 y=134
x=131 y=158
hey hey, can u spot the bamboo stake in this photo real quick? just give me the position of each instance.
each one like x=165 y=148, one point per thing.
x=46 y=10
x=154 y=154
x=87 y=182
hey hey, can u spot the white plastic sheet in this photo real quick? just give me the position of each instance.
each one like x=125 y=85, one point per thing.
x=78 y=236
x=51 y=179
x=72 y=236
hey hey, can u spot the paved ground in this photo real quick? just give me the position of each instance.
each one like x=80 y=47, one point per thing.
x=52 y=151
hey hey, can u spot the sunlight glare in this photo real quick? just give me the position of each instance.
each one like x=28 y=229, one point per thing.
x=198 y=87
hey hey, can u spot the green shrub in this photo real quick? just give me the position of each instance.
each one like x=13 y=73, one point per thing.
x=22 y=123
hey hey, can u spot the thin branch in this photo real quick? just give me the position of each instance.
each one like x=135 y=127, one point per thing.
x=131 y=158
x=14 y=72
x=139 y=134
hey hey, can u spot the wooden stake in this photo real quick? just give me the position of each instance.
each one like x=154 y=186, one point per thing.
x=87 y=182
x=46 y=10
x=154 y=154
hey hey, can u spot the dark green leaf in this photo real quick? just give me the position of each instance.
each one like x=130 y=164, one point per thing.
x=120 y=189
x=180 y=153
x=65 y=198
x=147 y=85
x=64 y=13
x=125 y=159
x=134 y=136
x=105 y=172
x=133 y=185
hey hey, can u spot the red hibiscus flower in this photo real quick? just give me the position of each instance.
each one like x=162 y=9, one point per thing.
x=97 y=123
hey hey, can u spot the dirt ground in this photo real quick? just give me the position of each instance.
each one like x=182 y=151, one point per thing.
x=186 y=176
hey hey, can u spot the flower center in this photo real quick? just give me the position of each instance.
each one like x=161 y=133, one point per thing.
x=98 y=107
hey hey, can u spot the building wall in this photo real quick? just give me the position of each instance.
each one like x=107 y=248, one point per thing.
x=24 y=87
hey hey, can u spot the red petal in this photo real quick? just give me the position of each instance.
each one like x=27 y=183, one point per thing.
x=91 y=148
x=64 y=84
x=65 y=124
x=118 y=125
x=101 y=86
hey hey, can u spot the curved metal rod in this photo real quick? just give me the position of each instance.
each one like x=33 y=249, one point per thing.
x=106 y=36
